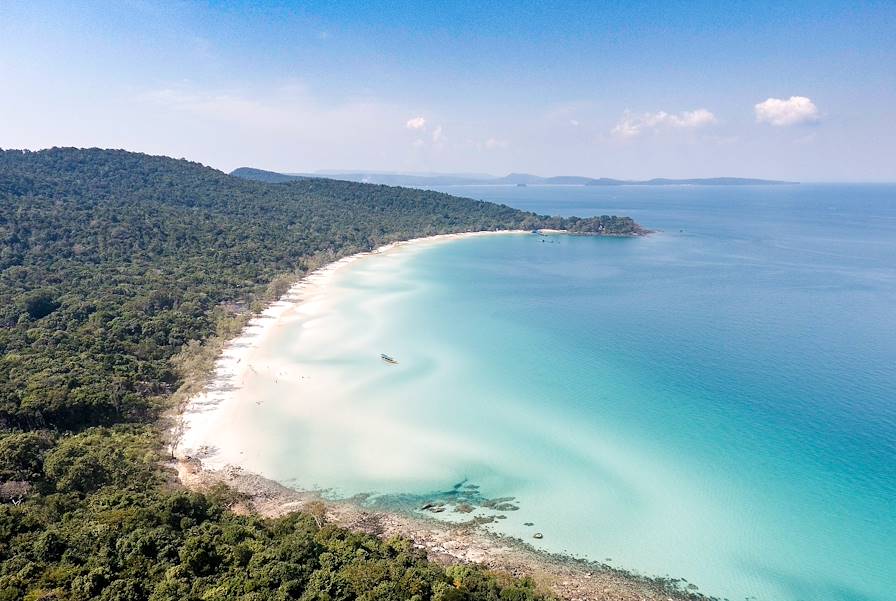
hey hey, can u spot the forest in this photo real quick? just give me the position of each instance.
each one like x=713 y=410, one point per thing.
x=114 y=268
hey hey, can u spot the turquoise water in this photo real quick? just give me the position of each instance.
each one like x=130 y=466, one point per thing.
x=716 y=401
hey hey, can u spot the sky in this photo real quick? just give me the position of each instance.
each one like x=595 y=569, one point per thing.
x=790 y=90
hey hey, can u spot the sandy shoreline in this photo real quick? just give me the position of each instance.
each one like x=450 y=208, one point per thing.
x=200 y=465
x=234 y=366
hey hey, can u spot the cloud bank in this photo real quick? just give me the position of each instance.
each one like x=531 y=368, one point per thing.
x=792 y=111
x=632 y=125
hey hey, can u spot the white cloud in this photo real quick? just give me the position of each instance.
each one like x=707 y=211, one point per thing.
x=416 y=123
x=697 y=118
x=632 y=125
x=628 y=127
x=793 y=111
x=493 y=143
x=437 y=134
x=574 y=122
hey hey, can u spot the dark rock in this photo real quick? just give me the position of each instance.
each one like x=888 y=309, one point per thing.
x=493 y=503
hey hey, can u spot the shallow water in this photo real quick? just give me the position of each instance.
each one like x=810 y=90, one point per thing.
x=716 y=401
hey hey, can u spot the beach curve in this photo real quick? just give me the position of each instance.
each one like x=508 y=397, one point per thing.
x=200 y=465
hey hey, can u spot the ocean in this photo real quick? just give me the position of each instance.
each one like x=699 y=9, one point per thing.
x=715 y=401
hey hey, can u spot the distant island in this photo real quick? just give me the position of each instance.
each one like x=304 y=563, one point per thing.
x=513 y=179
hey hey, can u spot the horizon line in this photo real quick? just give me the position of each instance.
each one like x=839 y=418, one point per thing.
x=323 y=172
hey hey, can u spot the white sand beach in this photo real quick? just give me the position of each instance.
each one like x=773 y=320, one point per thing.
x=204 y=432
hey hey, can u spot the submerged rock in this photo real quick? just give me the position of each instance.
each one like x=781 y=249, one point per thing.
x=481 y=520
x=493 y=503
x=538 y=535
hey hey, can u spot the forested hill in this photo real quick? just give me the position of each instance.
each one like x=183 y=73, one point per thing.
x=111 y=261
x=260 y=175
x=112 y=266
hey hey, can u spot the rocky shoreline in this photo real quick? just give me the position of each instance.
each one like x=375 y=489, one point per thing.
x=445 y=542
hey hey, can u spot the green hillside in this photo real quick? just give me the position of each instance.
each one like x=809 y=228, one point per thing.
x=113 y=266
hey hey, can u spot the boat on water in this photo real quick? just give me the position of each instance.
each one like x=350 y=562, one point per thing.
x=388 y=358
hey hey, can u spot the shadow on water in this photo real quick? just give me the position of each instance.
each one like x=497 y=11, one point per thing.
x=462 y=498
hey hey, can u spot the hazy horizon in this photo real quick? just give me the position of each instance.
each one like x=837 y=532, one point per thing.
x=483 y=175
x=803 y=91
x=520 y=172
x=591 y=175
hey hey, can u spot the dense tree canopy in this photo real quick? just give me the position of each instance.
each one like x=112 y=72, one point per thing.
x=112 y=263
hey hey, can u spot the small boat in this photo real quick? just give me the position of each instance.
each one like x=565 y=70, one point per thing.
x=388 y=359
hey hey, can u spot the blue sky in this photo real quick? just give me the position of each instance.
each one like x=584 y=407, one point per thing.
x=788 y=90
